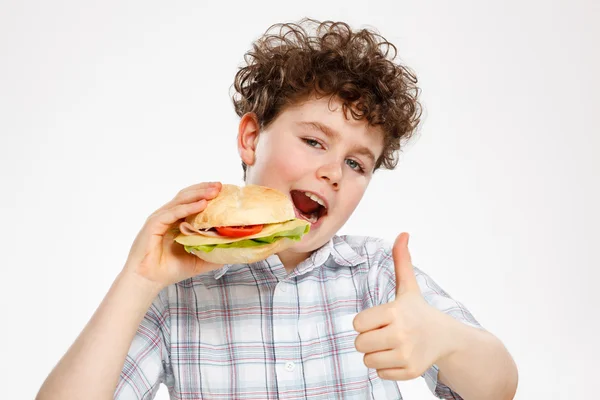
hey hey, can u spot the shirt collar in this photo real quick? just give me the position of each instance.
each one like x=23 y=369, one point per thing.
x=343 y=254
x=337 y=248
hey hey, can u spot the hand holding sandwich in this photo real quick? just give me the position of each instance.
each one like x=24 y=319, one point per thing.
x=154 y=255
x=210 y=224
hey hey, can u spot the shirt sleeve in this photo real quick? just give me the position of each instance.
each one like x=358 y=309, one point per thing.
x=385 y=291
x=147 y=362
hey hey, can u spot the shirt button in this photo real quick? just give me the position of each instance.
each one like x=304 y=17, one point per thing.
x=282 y=287
x=290 y=366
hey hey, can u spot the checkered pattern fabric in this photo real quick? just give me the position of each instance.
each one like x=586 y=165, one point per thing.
x=253 y=331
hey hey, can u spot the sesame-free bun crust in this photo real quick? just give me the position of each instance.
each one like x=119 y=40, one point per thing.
x=244 y=205
x=243 y=255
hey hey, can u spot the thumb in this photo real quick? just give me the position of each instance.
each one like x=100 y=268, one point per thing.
x=406 y=281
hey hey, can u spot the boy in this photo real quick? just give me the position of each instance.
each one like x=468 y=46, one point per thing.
x=321 y=107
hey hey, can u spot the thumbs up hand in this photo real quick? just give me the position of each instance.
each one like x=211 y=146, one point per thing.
x=403 y=338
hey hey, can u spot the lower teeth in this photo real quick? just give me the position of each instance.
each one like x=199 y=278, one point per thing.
x=312 y=218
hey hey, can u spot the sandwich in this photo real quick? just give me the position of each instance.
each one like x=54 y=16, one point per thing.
x=242 y=225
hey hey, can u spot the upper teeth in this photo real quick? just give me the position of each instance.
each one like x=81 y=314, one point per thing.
x=315 y=198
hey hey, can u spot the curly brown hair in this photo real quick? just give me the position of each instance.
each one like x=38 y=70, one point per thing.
x=293 y=60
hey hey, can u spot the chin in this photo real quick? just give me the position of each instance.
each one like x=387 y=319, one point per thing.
x=309 y=244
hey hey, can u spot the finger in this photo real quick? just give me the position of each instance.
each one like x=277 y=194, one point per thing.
x=194 y=193
x=161 y=222
x=373 y=341
x=203 y=185
x=398 y=374
x=374 y=318
x=384 y=359
x=406 y=281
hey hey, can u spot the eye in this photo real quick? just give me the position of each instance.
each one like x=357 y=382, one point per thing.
x=355 y=165
x=312 y=143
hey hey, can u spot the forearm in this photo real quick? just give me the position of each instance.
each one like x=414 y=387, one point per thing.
x=480 y=367
x=91 y=367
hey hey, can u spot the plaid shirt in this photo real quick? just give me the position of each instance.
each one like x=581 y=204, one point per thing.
x=253 y=331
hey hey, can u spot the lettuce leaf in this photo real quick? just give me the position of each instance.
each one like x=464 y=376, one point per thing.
x=294 y=234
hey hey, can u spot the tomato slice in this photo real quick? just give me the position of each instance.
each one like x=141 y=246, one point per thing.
x=238 y=231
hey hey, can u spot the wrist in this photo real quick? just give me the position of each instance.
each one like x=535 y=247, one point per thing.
x=455 y=338
x=138 y=285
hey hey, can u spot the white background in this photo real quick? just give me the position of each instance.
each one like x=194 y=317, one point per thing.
x=107 y=109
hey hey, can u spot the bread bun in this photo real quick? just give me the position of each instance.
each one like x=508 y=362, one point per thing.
x=244 y=205
x=244 y=255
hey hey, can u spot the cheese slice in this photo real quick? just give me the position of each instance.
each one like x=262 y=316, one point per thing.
x=268 y=230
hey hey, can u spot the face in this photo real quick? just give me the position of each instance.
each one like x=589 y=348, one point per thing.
x=321 y=160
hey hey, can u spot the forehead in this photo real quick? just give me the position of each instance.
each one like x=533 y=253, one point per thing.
x=329 y=111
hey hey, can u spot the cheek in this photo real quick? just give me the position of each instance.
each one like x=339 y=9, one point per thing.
x=288 y=163
x=354 y=193
x=283 y=162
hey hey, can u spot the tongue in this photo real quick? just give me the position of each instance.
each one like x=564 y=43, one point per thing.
x=303 y=203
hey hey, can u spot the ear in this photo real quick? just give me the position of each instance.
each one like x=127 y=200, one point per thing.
x=248 y=138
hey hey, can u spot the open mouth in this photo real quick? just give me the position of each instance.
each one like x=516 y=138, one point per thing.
x=310 y=207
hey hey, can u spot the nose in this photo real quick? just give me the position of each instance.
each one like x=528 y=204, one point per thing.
x=332 y=173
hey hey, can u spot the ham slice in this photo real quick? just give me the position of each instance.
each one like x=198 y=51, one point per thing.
x=187 y=229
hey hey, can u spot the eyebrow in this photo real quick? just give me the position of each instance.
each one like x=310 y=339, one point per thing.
x=333 y=134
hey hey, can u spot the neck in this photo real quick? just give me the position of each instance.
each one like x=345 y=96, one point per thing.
x=291 y=259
